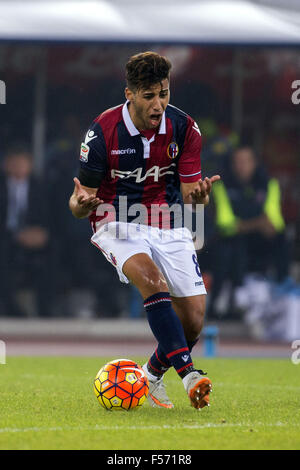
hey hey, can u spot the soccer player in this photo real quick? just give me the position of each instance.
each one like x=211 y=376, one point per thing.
x=147 y=152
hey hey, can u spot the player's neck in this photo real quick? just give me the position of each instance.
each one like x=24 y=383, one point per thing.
x=148 y=133
x=139 y=123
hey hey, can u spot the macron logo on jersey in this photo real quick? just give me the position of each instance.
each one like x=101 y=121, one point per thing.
x=196 y=128
x=90 y=135
x=123 y=152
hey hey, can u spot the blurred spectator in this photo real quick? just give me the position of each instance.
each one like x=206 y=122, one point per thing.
x=250 y=225
x=215 y=155
x=24 y=235
x=217 y=146
x=87 y=284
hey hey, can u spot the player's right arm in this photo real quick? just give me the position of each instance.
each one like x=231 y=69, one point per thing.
x=84 y=200
x=93 y=167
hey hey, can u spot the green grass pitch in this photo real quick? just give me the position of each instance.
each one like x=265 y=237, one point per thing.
x=49 y=403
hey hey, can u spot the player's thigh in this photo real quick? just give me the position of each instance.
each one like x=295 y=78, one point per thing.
x=141 y=270
x=177 y=260
x=118 y=244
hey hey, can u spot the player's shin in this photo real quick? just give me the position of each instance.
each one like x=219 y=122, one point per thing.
x=169 y=332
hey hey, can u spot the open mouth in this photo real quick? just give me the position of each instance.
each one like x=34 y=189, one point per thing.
x=155 y=119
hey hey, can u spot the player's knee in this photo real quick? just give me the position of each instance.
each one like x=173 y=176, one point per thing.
x=157 y=284
x=151 y=282
x=145 y=275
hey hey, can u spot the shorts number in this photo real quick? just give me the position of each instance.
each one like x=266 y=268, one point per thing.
x=197 y=267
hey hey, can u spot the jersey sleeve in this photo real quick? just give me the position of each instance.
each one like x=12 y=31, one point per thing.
x=93 y=152
x=189 y=165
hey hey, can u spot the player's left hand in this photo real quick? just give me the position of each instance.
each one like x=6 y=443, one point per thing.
x=200 y=194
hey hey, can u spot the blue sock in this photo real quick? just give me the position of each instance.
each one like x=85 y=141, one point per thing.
x=159 y=363
x=168 y=331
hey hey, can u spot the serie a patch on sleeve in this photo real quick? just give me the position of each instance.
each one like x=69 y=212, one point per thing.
x=84 y=152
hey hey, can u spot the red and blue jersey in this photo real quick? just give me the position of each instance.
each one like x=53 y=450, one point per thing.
x=146 y=167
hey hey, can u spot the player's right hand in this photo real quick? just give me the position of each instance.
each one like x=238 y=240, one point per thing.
x=86 y=198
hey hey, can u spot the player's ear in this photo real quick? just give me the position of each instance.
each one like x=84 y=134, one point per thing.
x=128 y=94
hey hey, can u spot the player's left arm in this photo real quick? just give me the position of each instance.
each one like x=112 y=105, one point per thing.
x=198 y=192
x=194 y=189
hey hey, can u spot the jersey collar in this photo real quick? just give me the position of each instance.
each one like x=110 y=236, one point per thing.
x=131 y=127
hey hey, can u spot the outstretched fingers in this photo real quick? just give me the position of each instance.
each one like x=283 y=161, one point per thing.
x=90 y=202
x=205 y=186
x=77 y=184
x=215 y=178
x=84 y=199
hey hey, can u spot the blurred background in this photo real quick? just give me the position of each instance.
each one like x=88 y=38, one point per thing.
x=235 y=64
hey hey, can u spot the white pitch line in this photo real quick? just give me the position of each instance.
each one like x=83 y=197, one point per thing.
x=150 y=427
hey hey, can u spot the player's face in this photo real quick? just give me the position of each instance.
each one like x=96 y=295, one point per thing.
x=244 y=164
x=148 y=105
x=18 y=166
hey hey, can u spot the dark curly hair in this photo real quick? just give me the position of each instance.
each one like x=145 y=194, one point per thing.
x=145 y=69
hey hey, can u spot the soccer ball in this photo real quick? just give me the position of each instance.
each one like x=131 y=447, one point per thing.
x=121 y=385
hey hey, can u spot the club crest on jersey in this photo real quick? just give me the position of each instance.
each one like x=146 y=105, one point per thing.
x=84 y=152
x=172 y=150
